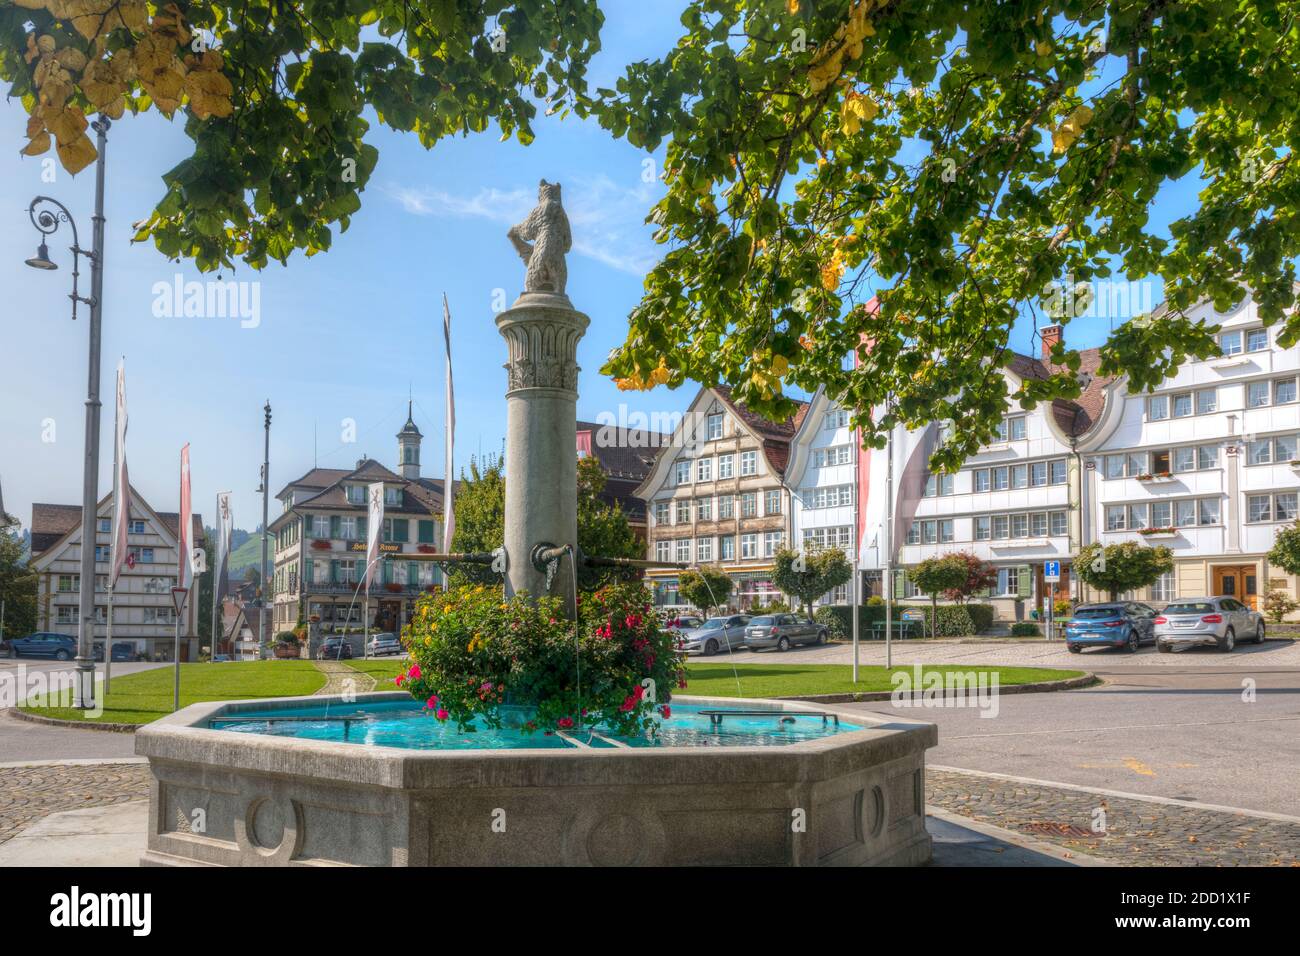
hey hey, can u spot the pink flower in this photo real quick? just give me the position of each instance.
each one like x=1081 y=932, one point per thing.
x=414 y=672
x=431 y=702
x=564 y=723
x=398 y=679
x=666 y=710
x=442 y=713
x=628 y=704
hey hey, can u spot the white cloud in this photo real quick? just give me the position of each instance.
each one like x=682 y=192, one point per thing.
x=608 y=220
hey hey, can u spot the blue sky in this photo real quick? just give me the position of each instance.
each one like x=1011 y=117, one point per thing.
x=343 y=335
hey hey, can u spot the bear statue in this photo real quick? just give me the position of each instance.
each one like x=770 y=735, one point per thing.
x=547 y=229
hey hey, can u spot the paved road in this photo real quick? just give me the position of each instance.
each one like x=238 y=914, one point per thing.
x=1182 y=733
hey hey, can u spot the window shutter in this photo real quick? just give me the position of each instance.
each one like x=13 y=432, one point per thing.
x=361 y=528
x=900 y=576
x=334 y=572
x=401 y=529
x=1023 y=586
x=309 y=578
x=334 y=526
x=425 y=531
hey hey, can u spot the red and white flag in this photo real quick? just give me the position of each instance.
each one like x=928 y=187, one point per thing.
x=184 y=546
x=374 y=528
x=118 y=557
x=448 y=485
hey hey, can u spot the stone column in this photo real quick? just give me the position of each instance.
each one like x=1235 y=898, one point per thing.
x=542 y=331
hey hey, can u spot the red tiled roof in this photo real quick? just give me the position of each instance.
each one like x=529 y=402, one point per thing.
x=52 y=522
x=1075 y=417
x=776 y=436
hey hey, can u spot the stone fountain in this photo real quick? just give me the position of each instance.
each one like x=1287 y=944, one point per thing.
x=280 y=798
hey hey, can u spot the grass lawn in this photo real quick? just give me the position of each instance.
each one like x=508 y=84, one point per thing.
x=147 y=695
x=803 y=680
x=780 y=680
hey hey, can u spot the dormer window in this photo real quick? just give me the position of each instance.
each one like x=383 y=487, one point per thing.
x=393 y=496
x=356 y=494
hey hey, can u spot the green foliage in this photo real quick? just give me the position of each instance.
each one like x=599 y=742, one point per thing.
x=953 y=620
x=820 y=572
x=943 y=575
x=291 y=160
x=1025 y=629
x=1285 y=552
x=1278 y=604
x=514 y=663
x=17 y=587
x=480 y=524
x=979 y=576
x=953 y=160
x=775 y=607
x=1121 y=567
x=705 y=588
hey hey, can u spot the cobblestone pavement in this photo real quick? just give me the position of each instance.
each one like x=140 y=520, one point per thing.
x=28 y=794
x=343 y=679
x=1137 y=832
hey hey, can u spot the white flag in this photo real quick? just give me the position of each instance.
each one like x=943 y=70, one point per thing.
x=184 y=544
x=121 y=521
x=224 y=525
x=374 y=527
x=448 y=512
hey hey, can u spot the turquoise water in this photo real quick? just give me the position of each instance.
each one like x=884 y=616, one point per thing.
x=408 y=725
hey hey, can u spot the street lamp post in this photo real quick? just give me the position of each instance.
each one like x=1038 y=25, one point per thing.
x=47 y=223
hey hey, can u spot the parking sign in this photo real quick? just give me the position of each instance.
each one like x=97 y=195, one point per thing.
x=1052 y=571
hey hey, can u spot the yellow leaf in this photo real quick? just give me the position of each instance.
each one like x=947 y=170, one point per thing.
x=67 y=125
x=39 y=144
x=77 y=155
x=209 y=93
x=792 y=5
x=780 y=364
x=1042 y=48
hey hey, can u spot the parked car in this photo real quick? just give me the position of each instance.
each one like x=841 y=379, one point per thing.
x=44 y=644
x=121 y=652
x=683 y=622
x=221 y=659
x=334 y=649
x=384 y=643
x=783 y=630
x=1125 y=624
x=715 y=634
x=1215 y=621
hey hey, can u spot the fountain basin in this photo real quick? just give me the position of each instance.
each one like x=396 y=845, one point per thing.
x=243 y=796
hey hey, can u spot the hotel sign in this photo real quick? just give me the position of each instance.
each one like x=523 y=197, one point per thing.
x=385 y=547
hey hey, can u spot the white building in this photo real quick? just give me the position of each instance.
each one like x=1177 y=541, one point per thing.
x=822 y=479
x=142 y=602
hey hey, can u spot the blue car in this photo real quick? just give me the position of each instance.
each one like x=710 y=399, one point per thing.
x=1121 y=624
x=44 y=644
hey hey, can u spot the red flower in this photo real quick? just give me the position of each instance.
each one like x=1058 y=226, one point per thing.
x=628 y=704
x=442 y=714
x=431 y=701
x=639 y=691
x=564 y=723
x=414 y=672
x=666 y=710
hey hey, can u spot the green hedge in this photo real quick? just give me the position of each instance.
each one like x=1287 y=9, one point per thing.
x=955 y=620
x=1025 y=629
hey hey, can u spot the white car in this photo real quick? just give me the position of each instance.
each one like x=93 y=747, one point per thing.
x=1214 y=621
x=384 y=643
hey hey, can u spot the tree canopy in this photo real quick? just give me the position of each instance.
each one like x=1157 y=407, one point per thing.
x=1116 y=568
x=900 y=180
x=273 y=93
x=955 y=160
x=809 y=576
x=706 y=587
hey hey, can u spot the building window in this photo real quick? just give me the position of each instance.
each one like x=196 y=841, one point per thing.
x=65 y=614
x=663 y=550
x=727 y=548
x=1256 y=340
x=749 y=504
x=393 y=496
x=1229 y=343
x=1163 y=588
x=661 y=513
x=1016 y=428
x=703 y=549
x=704 y=509
x=356 y=494
x=1058 y=471
x=683 y=546
x=1019 y=476
x=1001 y=478
x=704 y=469
x=1158 y=408
x=748 y=463
x=715 y=427
x=981 y=479
x=1280 y=506
x=726 y=506
x=749 y=546
x=1115 y=515
x=1256 y=394
x=683 y=472
x=831 y=496
x=683 y=511
x=106 y=525
x=1284 y=391
x=836 y=418
x=772 y=542
x=724 y=466
x=1060 y=524
x=1009 y=582
x=835 y=455
x=1038 y=474
x=1209 y=511
x=348 y=528
x=983 y=528
x=1001 y=527
x=772 y=503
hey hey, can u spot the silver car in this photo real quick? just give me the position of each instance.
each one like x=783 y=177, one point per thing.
x=715 y=634
x=1214 y=621
x=383 y=643
x=783 y=630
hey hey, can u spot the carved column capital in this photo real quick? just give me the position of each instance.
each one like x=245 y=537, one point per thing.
x=542 y=334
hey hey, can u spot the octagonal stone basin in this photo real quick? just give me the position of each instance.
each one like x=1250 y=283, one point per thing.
x=229 y=798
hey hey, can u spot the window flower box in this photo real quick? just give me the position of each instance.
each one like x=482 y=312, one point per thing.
x=1159 y=478
x=320 y=544
x=426 y=549
x=1157 y=532
x=393 y=587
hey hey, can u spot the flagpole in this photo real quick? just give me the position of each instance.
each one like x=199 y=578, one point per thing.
x=108 y=644
x=216 y=571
